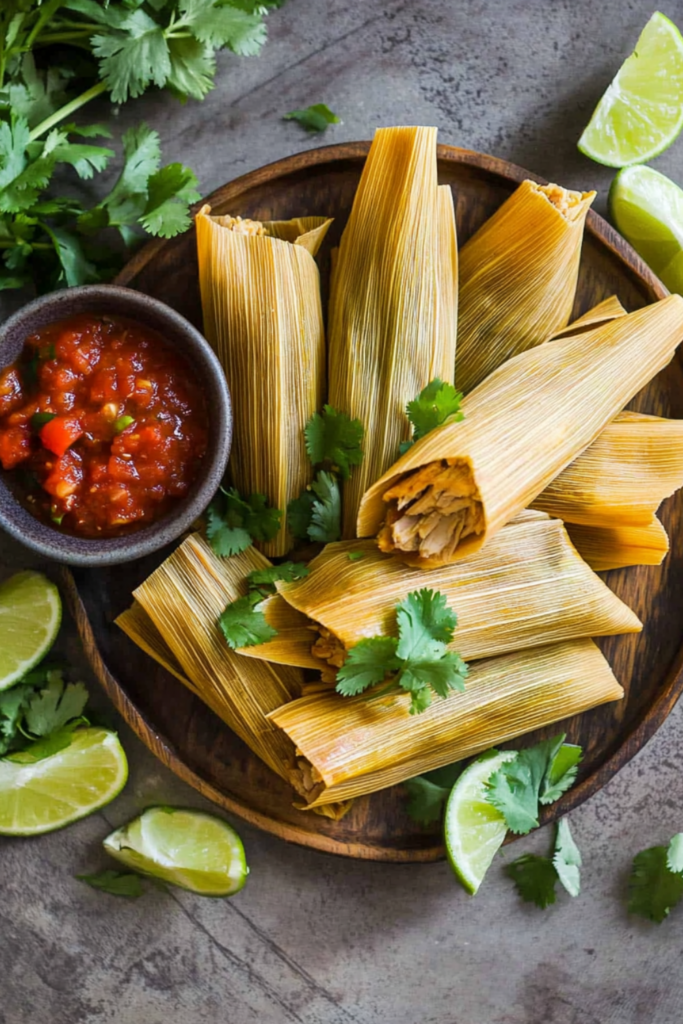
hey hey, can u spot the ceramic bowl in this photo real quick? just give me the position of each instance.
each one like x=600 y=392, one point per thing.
x=180 y=335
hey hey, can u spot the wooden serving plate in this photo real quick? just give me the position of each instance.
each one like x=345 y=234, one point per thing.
x=189 y=738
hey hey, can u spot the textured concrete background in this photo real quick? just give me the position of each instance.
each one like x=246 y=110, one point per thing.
x=315 y=939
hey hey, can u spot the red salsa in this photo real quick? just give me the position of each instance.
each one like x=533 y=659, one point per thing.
x=102 y=423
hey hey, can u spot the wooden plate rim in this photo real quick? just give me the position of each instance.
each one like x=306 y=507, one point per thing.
x=632 y=742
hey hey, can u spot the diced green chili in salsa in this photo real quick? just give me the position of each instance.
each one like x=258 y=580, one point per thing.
x=105 y=420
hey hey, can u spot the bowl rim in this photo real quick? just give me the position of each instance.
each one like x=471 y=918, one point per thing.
x=82 y=551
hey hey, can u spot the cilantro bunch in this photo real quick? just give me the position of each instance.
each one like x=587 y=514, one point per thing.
x=418 y=661
x=233 y=522
x=55 y=57
x=39 y=714
x=333 y=443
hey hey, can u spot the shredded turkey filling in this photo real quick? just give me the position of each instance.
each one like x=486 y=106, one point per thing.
x=329 y=648
x=431 y=510
x=243 y=227
x=568 y=203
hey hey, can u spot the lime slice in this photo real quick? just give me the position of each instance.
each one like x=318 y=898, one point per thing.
x=647 y=208
x=642 y=111
x=474 y=829
x=191 y=849
x=68 y=785
x=30 y=615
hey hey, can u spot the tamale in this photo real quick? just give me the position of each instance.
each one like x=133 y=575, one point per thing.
x=137 y=625
x=457 y=486
x=184 y=598
x=609 y=309
x=528 y=587
x=518 y=278
x=260 y=293
x=615 y=547
x=358 y=745
x=623 y=477
x=393 y=302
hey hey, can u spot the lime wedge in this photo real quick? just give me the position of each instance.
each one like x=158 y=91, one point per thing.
x=474 y=829
x=68 y=785
x=642 y=111
x=647 y=208
x=191 y=849
x=30 y=615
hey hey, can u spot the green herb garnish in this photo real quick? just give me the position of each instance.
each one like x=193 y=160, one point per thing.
x=418 y=660
x=39 y=419
x=117 y=883
x=315 y=118
x=436 y=404
x=233 y=522
x=243 y=622
x=536 y=877
x=122 y=423
x=655 y=886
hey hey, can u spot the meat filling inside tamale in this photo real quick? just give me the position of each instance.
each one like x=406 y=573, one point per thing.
x=432 y=510
x=570 y=204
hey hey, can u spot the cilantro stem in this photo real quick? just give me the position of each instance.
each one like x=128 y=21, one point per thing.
x=68 y=109
x=7 y=244
x=68 y=36
x=47 y=12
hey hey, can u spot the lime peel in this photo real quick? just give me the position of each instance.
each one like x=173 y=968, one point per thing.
x=30 y=617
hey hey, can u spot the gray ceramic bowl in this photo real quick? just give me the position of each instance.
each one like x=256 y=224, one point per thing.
x=182 y=336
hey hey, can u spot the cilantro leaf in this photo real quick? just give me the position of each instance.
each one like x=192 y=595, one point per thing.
x=315 y=118
x=169 y=192
x=674 y=854
x=55 y=706
x=535 y=879
x=242 y=31
x=425 y=624
x=515 y=788
x=325 y=523
x=653 y=889
x=567 y=858
x=426 y=800
x=233 y=522
x=243 y=623
x=12 y=705
x=369 y=662
x=47 y=745
x=299 y=515
x=435 y=404
x=561 y=773
x=288 y=572
x=132 y=57
x=117 y=883
x=335 y=438
x=355 y=556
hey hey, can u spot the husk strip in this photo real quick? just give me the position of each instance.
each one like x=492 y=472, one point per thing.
x=623 y=477
x=532 y=417
x=393 y=302
x=618 y=546
x=518 y=278
x=358 y=745
x=263 y=316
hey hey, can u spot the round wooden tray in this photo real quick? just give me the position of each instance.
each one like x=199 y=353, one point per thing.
x=189 y=738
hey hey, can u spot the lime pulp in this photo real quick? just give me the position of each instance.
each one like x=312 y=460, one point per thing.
x=647 y=208
x=190 y=849
x=641 y=113
x=30 y=616
x=474 y=830
x=45 y=795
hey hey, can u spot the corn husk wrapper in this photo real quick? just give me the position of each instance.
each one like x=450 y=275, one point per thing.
x=357 y=745
x=393 y=302
x=528 y=587
x=615 y=547
x=263 y=316
x=523 y=426
x=518 y=278
x=609 y=309
x=138 y=626
x=623 y=477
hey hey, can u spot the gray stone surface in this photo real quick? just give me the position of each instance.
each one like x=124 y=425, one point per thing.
x=315 y=939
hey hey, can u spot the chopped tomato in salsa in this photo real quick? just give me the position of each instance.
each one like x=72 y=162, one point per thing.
x=105 y=423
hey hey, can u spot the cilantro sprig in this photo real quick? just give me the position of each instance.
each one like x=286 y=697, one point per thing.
x=436 y=404
x=418 y=660
x=316 y=118
x=427 y=794
x=333 y=443
x=655 y=885
x=233 y=522
x=55 y=57
x=39 y=714
x=536 y=877
x=116 y=883
x=243 y=621
x=537 y=775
